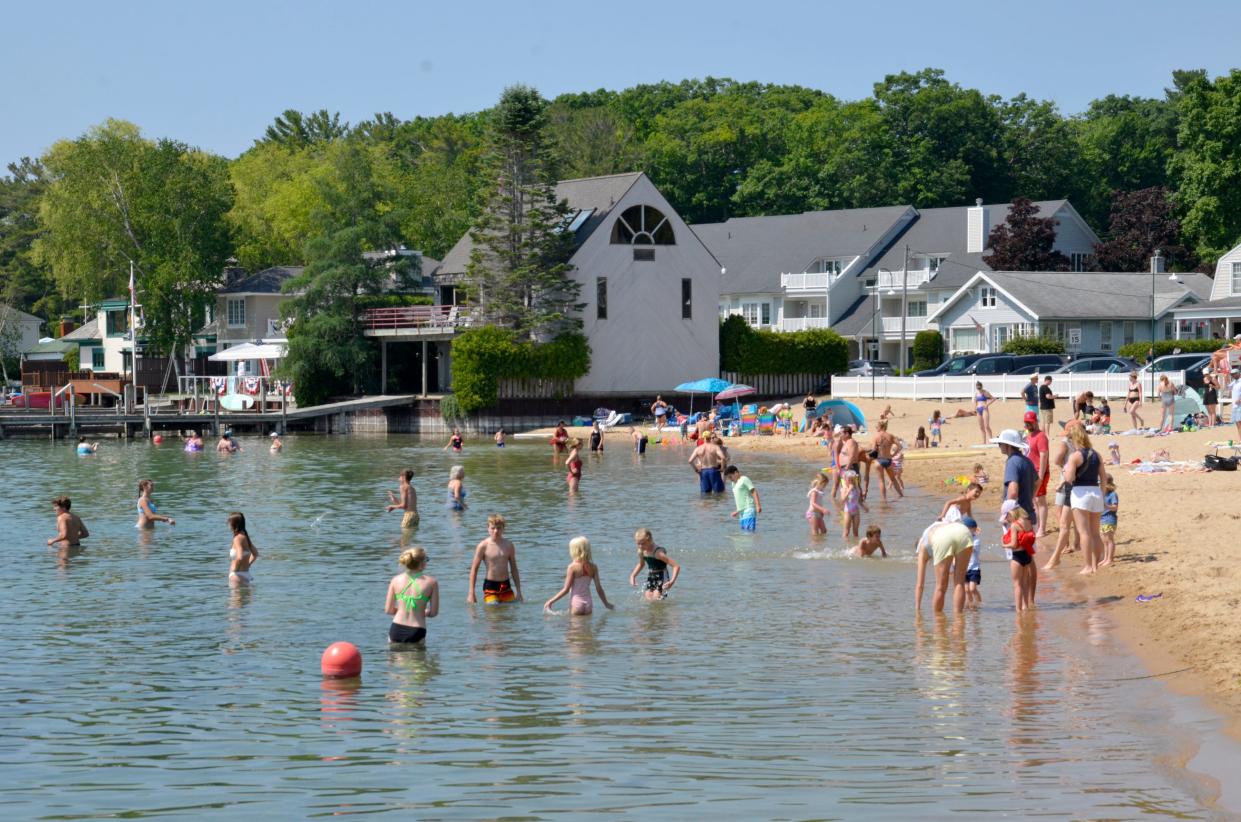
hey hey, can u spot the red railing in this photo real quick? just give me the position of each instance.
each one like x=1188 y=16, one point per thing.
x=416 y=316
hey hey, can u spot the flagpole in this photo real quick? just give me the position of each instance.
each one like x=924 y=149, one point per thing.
x=133 y=331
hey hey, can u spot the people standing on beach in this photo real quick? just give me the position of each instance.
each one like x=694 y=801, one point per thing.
x=639 y=440
x=883 y=446
x=596 y=437
x=851 y=504
x=560 y=438
x=455 y=442
x=1018 y=544
x=811 y=405
x=405 y=500
x=503 y=581
x=1037 y=452
x=1020 y=478
x=577 y=579
x=241 y=554
x=936 y=422
x=1086 y=474
x=1236 y=401
x=657 y=563
x=227 y=445
x=707 y=460
x=147 y=514
x=659 y=410
x=1108 y=522
x=920 y=441
x=746 y=498
x=1210 y=399
x=1046 y=403
x=1030 y=394
x=413 y=598
x=499 y=438
x=456 y=488
x=872 y=542
x=982 y=406
x=1133 y=400
x=70 y=530
x=86 y=449
x=815 y=510
x=1167 y=403
x=573 y=465
x=1064 y=514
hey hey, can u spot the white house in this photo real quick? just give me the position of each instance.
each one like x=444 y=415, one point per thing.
x=103 y=342
x=873 y=275
x=1221 y=314
x=1089 y=312
x=650 y=286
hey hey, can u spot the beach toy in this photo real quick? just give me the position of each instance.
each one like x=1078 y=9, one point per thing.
x=1148 y=597
x=341 y=660
x=157 y=439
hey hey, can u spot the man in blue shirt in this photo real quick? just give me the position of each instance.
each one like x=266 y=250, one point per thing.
x=1030 y=394
x=1020 y=475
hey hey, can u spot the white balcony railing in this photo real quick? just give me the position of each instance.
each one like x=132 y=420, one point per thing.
x=892 y=325
x=805 y=282
x=803 y=323
x=895 y=280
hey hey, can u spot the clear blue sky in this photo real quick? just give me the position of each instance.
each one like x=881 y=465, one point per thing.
x=214 y=74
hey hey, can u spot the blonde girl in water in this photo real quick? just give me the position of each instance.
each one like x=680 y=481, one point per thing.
x=242 y=555
x=815 y=510
x=413 y=598
x=577 y=578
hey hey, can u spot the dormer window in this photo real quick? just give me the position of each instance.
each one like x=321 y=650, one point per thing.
x=642 y=225
x=827 y=265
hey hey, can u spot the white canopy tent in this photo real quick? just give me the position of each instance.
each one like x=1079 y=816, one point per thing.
x=251 y=351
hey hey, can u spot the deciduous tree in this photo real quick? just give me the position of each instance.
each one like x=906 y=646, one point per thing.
x=1141 y=223
x=1208 y=163
x=1024 y=241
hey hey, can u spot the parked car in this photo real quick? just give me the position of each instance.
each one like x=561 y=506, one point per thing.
x=864 y=368
x=1010 y=363
x=952 y=366
x=1191 y=364
x=1098 y=365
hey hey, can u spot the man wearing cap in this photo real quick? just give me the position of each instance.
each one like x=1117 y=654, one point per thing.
x=1037 y=453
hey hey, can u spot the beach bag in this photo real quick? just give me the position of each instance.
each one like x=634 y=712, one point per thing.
x=1217 y=463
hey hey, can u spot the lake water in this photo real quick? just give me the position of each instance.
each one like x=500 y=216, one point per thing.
x=779 y=681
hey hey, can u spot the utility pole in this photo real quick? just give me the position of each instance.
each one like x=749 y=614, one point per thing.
x=904 y=306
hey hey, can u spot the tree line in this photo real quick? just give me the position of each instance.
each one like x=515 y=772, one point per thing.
x=1141 y=171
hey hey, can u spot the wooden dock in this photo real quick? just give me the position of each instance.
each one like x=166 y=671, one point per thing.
x=89 y=421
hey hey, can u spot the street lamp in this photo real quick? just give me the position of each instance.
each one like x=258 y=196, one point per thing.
x=874 y=313
x=1156 y=270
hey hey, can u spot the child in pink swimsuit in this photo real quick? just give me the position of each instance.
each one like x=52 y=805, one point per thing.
x=815 y=512
x=577 y=579
x=851 y=496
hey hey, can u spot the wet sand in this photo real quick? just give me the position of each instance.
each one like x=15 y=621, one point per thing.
x=1176 y=534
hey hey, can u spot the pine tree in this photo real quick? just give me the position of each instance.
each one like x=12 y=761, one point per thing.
x=518 y=271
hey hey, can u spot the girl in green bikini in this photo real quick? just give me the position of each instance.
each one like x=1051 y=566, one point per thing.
x=413 y=598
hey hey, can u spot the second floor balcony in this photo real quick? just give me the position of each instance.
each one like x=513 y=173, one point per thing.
x=807 y=281
x=898 y=279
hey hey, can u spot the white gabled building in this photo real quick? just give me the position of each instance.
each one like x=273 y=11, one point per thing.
x=1220 y=316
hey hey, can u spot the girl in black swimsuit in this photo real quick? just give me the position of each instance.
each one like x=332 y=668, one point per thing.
x=657 y=563
x=1133 y=401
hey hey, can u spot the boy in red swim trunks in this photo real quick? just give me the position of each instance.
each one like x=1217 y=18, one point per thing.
x=501 y=558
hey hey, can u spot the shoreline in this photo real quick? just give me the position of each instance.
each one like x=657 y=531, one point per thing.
x=1172 y=536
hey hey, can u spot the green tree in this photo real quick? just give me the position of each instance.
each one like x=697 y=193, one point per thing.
x=1023 y=242
x=518 y=270
x=1141 y=223
x=1125 y=144
x=328 y=353
x=115 y=198
x=1042 y=156
x=928 y=349
x=24 y=283
x=275 y=193
x=1208 y=163
x=1033 y=345
x=297 y=130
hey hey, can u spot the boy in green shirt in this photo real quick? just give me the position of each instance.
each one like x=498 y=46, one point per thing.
x=745 y=495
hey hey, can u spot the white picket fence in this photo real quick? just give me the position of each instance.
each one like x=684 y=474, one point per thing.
x=944 y=388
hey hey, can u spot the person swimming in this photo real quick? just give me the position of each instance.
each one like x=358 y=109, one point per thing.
x=456 y=488
x=86 y=449
x=242 y=555
x=193 y=443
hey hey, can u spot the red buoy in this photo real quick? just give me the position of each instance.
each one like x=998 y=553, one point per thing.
x=157 y=439
x=341 y=659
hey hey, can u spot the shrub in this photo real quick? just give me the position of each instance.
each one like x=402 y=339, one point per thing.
x=747 y=351
x=1034 y=345
x=1138 y=350
x=450 y=409
x=481 y=356
x=928 y=349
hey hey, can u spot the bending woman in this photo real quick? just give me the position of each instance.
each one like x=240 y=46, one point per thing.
x=1167 y=403
x=147 y=514
x=413 y=598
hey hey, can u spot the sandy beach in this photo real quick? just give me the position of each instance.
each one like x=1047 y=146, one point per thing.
x=1174 y=537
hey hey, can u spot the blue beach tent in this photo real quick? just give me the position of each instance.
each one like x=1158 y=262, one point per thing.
x=843 y=413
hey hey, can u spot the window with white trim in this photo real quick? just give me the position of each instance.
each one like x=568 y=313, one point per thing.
x=1079 y=260
x=236 y=312
x=917 y=308
x=1128 y=330
x=1055 y=330
x=986 y=297
x=749 y=313
x=642 y=225
x=1105 y=335
x=209 y=314
x=1236 y=279
x=827 y=265
x=765 y=314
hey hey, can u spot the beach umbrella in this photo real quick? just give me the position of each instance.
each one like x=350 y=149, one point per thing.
x=736 y=390
x=707 y=385
x=843 y=413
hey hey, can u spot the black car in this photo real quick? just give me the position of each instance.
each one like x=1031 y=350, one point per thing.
x=953 y=366
x=1098 y=365
x=1011 y=363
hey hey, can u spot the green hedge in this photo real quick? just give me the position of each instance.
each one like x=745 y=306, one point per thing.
x=1137 y=350
x=393 y=300
x=1034 y=345
x=745 y=350
x=480 y=357
x=928 y=350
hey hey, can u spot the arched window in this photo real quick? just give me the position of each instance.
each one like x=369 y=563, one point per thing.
x=642 y=225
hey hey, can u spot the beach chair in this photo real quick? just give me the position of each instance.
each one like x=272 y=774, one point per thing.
x=749 y=423
x=767 y=424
